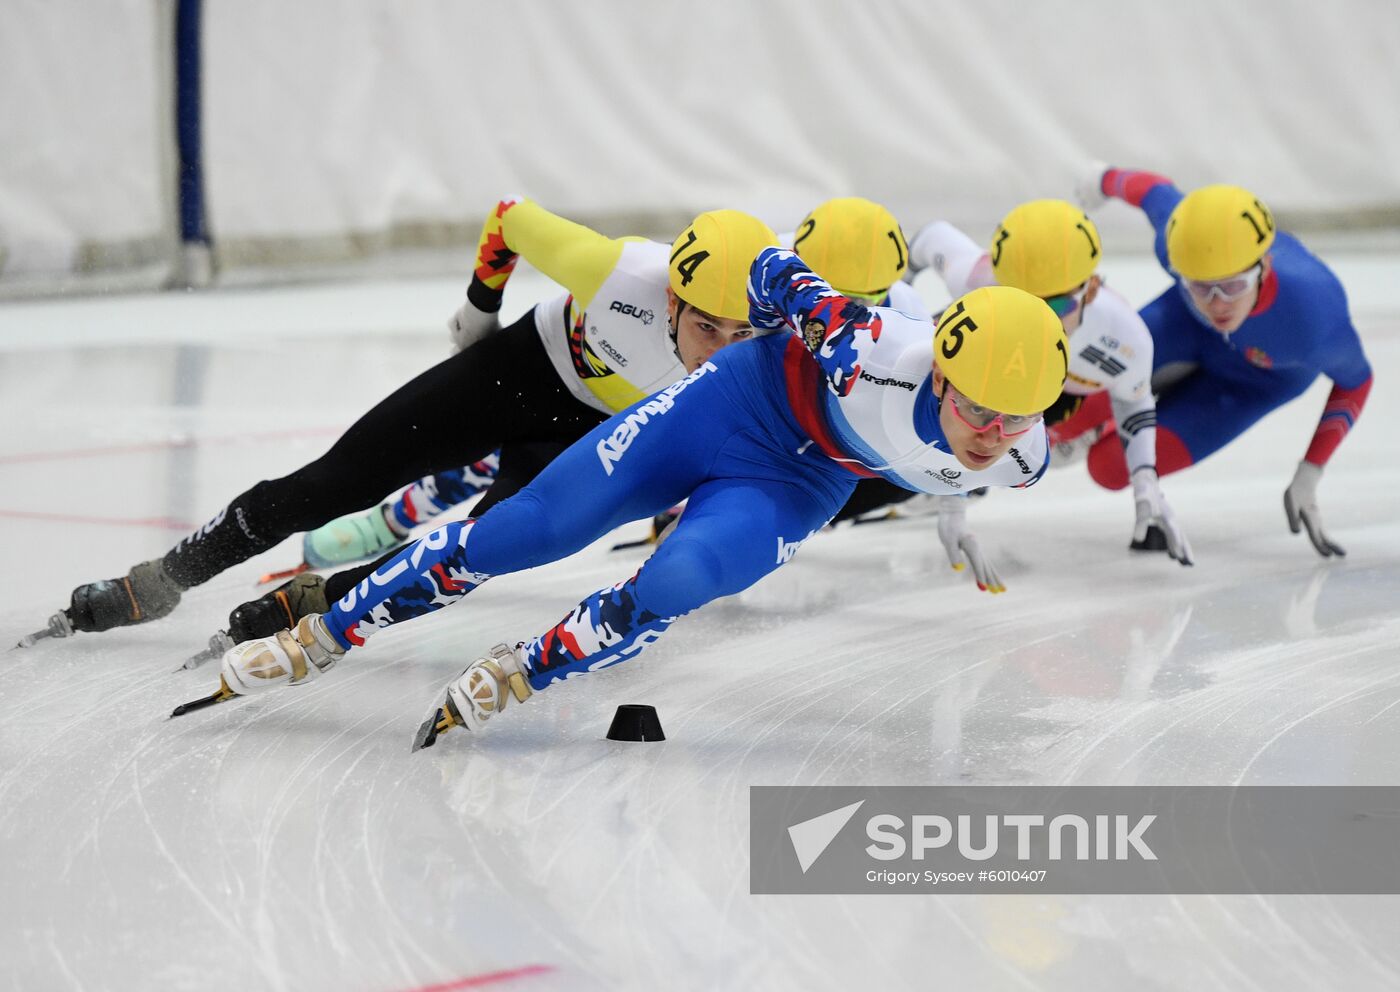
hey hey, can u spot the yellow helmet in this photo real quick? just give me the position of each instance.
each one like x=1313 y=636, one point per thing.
x=1218 y=231
x=711 y=258
x=854 y=244
x=1045 y=247
x=1004 y=349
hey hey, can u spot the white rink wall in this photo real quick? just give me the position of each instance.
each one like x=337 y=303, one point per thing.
x=337 y=130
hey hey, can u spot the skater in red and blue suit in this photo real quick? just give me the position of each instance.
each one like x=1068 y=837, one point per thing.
x=1251 y=321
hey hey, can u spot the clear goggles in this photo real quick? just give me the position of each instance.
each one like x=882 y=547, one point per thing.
x=1229 y=289
x=981 y=419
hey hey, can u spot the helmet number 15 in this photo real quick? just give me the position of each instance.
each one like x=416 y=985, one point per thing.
x=953 y=341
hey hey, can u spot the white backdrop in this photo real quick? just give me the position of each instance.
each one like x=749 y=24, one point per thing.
x=86 y=150
x=337 y=129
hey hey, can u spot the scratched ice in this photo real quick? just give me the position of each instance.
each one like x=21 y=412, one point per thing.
x=291 y=841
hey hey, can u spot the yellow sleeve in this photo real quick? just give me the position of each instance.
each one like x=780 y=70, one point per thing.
x=576 y=257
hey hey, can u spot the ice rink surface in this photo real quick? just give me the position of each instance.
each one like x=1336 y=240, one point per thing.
x=292 y=842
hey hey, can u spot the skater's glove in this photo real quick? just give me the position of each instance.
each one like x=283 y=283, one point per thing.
x=471 y=323
x=1153 y=513
x=1300 y=505
x=1088 y=187
x=962 y=546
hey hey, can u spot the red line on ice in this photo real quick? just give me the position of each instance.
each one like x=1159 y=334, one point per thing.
x=146 y=447
x=165 y=523
x=491 y=978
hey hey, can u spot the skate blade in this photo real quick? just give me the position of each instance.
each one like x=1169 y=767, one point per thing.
x=633 y=544
x=218 y=696
x=59 y=626
x=427 y=734
x=218 y=645
x=284 y=574
x=443 y=719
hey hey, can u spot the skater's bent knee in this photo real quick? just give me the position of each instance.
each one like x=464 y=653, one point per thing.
x=521 y=532
x=683 y=575
x=1107 y=465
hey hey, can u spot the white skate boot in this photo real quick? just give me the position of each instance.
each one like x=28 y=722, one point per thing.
x=478 y=694
x=286 y=658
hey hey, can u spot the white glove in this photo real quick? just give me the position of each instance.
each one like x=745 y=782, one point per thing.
x=1088 y=187
x=1153 y=513
x=469 y=325
x=957 y=542
x=1300 y=504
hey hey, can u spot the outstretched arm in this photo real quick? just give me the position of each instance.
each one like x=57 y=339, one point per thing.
x=576 y=257
x=784 y=291
x=1153 y=194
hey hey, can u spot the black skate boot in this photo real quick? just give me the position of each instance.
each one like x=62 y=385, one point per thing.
x=663 y=523
x=280 y=609
x=661 y=526
x=147 y=592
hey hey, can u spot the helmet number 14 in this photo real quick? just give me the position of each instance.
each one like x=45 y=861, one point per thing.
x=687 y=266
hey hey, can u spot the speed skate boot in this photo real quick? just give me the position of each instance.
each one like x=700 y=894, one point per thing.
x=358 y=536
x=303 y=596
x=145 y=593
x=664 y=522
x=353 y=537
x=289 y=657
x=478 y=694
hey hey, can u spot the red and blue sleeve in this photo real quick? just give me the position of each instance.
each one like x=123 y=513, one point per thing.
x=783 y=290
x=1351 y=376
x=1338 y=418
x=1155 y=195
